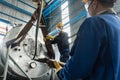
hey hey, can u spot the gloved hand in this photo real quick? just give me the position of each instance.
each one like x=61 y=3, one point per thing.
x=57 y=66
x=51 y=63
x=54 y=64
x=49 y=37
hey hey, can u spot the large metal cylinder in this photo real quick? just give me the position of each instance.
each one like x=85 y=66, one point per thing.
x=22 y=54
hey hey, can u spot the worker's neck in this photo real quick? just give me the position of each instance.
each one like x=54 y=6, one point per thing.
x=103 y=10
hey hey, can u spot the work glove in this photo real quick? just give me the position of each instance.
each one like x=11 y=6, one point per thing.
x=49 y=37
x=57 y=65
x=51 y=63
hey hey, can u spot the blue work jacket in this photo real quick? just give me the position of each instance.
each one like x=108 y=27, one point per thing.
x=96 y=50
x=62 y=42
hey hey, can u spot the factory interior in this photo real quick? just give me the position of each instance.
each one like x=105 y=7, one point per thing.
x=24 y=43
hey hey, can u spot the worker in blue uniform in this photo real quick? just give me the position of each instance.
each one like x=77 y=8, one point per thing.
x=62 y=42
x=96 y=50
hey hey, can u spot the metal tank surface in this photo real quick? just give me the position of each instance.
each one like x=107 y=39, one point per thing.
x=20 y=59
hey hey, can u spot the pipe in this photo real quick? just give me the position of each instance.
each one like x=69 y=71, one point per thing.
x=22 y=1
x=6 y=64
x=70 y=4
x=53 y=7
x=16 y=8
x=68 y=15
x=83 y=13
x=13 y=17
x=3 y=20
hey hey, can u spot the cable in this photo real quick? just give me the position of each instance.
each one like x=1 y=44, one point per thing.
x=38 y=24
x=6 y=64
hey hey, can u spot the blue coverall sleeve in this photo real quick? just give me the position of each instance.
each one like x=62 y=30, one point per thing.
x=53 y=41
x=85 y=51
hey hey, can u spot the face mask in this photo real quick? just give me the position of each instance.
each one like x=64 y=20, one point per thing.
x=86 y=8
x=59 y=29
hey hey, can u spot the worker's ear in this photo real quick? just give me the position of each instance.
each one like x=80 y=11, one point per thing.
x=95 y=4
